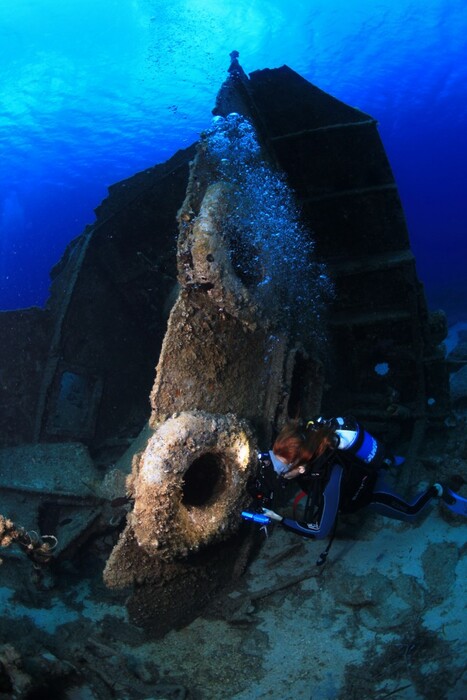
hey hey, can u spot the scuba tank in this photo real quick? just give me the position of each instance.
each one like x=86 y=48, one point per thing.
x=354 y=441
x=360 y=455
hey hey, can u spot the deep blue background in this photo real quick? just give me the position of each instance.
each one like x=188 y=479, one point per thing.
x=92 y=91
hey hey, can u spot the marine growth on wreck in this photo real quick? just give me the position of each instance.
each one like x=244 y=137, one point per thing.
x=160 y=370
x=227 y=357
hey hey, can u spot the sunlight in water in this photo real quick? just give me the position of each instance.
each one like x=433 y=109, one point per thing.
x=94 y=91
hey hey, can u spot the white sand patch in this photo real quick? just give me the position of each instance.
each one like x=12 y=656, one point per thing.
x=45 y=619
x=51 y=618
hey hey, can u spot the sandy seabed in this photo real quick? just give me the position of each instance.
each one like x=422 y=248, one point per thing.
x=384 y=618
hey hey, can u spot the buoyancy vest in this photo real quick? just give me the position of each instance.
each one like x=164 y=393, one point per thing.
x=354 y=441
x=360 y=456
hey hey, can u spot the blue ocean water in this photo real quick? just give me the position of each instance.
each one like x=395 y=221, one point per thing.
x=91 y=91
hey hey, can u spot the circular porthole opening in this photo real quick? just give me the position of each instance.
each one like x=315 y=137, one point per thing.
x=202 y=480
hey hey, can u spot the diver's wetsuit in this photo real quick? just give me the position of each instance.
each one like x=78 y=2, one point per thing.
x=363 y=484
x=327 y=512
x=386 y=502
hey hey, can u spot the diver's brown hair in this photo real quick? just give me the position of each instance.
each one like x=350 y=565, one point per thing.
x=297 y=446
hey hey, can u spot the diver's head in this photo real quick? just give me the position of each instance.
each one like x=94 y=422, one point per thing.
x=297 y=446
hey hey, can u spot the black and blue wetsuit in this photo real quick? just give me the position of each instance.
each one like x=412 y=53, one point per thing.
x=386 y=502
x=353 y=477
x=328 y=509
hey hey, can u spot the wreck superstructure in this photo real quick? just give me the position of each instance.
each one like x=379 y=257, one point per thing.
x=112 y=290
x=386 y=359
x=221 y=384
x=82 y=370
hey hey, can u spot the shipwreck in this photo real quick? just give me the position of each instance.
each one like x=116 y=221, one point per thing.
x=264 y=271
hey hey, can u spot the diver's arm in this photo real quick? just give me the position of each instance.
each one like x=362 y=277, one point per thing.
x=331 y=495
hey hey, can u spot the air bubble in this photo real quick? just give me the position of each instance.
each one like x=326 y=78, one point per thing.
x=270 y=249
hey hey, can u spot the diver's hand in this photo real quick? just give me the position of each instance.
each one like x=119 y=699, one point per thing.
x=271 y=514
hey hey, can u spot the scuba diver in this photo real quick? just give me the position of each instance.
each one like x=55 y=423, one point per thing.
x=341 y=468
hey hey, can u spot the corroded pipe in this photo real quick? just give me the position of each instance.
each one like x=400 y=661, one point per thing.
x=191 y=483
x=224 y=379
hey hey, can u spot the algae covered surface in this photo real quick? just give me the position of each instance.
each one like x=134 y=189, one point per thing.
x=385 y=617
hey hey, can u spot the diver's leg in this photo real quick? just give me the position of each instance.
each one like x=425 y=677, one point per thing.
x=390 y=504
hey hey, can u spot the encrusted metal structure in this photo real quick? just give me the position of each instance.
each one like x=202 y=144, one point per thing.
x=385 y=357
x=124 y=301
